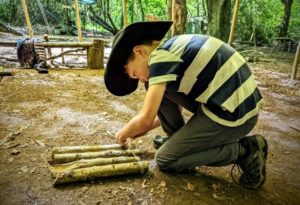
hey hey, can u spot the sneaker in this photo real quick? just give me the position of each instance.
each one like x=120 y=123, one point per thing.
x=159 y=141
x=254 y=165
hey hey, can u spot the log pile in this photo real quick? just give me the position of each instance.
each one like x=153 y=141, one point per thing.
x=82 y=163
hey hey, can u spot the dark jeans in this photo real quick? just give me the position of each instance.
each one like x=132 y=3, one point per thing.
x=199 y=141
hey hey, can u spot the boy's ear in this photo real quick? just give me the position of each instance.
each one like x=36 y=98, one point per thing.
x=139 y=49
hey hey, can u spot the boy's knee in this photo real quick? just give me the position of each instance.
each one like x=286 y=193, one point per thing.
x=163 y=162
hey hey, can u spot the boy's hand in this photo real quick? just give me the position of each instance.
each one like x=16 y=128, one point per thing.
x=121 y=139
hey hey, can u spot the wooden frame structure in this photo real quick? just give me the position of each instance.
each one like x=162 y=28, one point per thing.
x=95 y=49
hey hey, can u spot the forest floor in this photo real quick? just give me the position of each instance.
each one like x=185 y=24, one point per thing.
x=72 y=107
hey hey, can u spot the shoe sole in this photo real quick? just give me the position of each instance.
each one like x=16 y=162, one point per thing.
x=263 y=151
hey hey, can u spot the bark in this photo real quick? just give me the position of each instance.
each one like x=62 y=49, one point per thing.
x=91 y=173
x=142 y=10
x=69 y=157
x=219 y=18
x=284 y=26
x=95 y=148
x=179 y=15
x=91 y=162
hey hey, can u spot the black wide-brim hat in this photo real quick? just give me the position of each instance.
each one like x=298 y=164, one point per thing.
x=115 y=78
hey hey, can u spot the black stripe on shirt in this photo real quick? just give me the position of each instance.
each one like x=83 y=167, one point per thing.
x=188 y=55
x=232 y=84
x=245 y=107
x=164 y=68
x=168 y=44
x=208 y=73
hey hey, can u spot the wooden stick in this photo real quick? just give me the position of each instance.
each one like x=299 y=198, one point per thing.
x=69 y=157
x=233 y=23
x=78 y=23
x=90 y=173
x=24 y=5
x=91 y=162
x=296 y=61
x=125 y=21
x=66 y=52
x=95 y=148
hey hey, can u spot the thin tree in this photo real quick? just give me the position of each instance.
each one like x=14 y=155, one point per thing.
x=283 y=28
x=179 y=15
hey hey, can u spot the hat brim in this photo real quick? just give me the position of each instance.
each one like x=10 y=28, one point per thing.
x=115 y=78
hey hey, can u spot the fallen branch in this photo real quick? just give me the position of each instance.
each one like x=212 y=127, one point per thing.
x=69 y=157
x=72 y=149
x=90 y=173
x=11 y=29
x=64 y=53
x=9 y=59
x=91 y=162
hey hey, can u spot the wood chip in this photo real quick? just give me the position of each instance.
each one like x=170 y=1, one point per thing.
x=40 y=143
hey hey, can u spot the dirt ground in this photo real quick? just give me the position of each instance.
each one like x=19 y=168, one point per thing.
x=72 y=107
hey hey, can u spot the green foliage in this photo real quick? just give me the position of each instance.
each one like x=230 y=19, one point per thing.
x=265 y=16
x=294 y=26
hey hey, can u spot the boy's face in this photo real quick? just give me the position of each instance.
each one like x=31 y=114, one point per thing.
x=137 y=67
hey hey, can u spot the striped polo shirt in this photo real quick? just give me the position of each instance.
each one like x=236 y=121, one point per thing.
x=209 y=71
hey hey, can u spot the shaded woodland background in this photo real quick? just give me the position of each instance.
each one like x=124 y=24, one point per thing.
x=263 y=22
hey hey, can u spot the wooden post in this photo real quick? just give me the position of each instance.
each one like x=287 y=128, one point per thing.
x=173 y=18
x=296 y=62
x=62 y=56
x=233 y=23
x=46 y=37
x=78 y=23
x=95 y=55
x=24 y=5
x=125 y=21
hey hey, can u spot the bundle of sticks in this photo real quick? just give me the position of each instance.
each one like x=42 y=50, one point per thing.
x=81 y=163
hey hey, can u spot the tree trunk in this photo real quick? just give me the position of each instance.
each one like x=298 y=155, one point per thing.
x=179 y=14
x=283 y=28
x=142 y=10
x=169 y=9
x=219 y=18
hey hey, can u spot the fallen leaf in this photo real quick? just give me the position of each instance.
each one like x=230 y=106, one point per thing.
x=15 y=152
x=215 y=196
x=144 y=184
x=163 y=184
x=10 y=160
x=144 y=203
x=84 y=189
x=24 y=169
x=190 y=186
